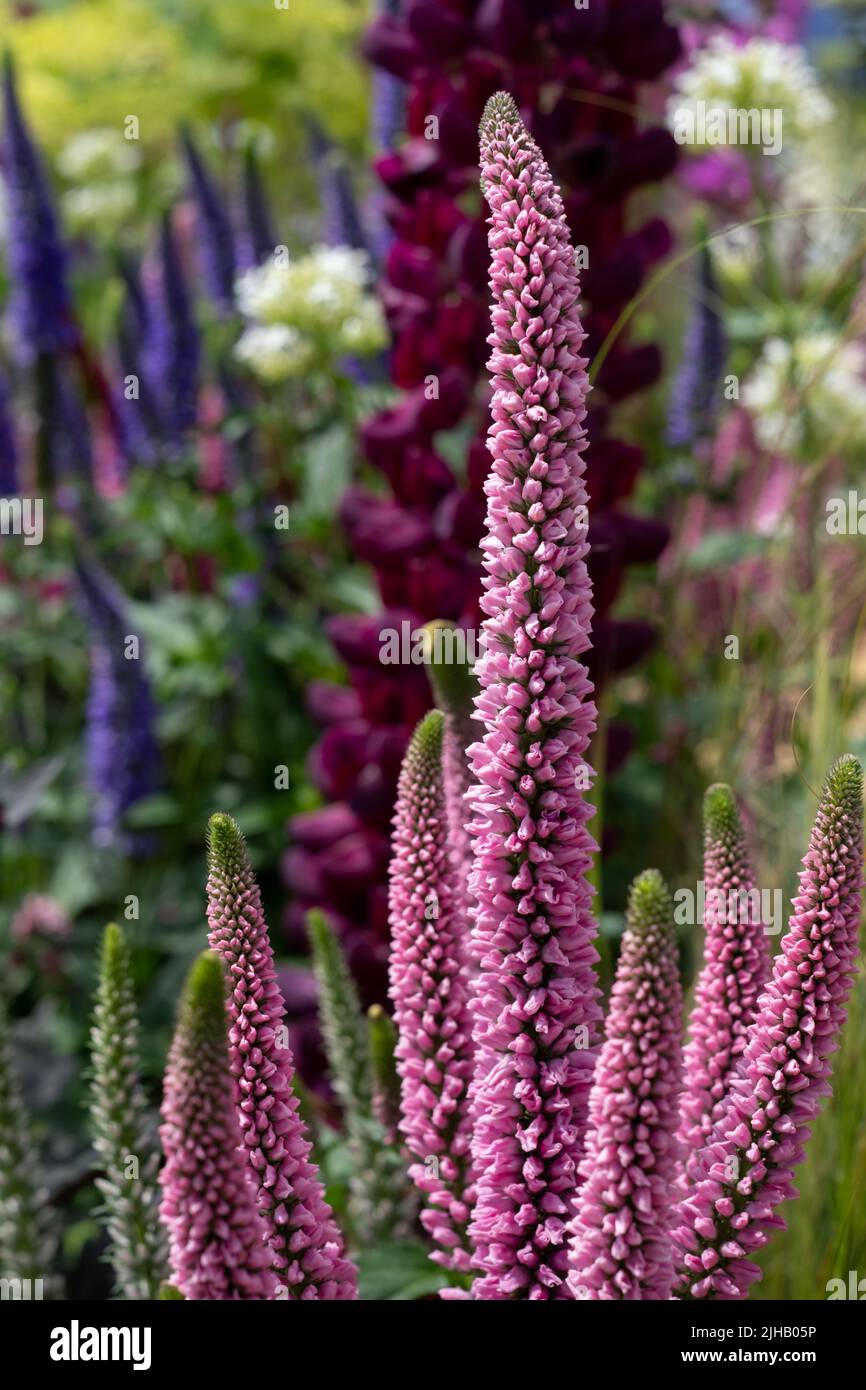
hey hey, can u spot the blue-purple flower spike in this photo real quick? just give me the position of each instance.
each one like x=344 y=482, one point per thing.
x=122 y=752
x=696 y=390
x=8 y=445
x=214 y=227
x=341 y=220
x=173 y=348
x=40 y=307
x=260 y=236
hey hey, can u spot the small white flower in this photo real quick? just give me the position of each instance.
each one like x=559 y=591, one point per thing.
x=265 y=293
x=98 y=155
x=273 y=351
x=99 y=205
x=758 y=75
x=323 y=298
x=821 y=378
x=365 y=331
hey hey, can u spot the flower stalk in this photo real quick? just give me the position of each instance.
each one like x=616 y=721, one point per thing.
x=121 y=1130
x=620 y=1248
x=536 y=1005
x=216 y=1236
x=303 y=1237
x=428 y=990
x=747 y=1169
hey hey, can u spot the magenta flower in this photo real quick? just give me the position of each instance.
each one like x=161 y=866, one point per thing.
x=747 y=1170
x=536 y=1007
x=620 y=1247
x=303 y=1236
x=216 y=1236
x=428 y=988
x=735 y=970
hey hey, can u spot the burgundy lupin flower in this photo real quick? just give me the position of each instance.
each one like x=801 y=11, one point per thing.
x=216 y=1236
x=536 y=1009
x=620 y=1246
x=428 y=989
x=735 y=970
x=306 y=1244
x=747 y=1169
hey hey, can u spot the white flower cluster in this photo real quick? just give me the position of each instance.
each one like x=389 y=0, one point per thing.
x=760 y=74
x=820 y=378
x=103 y=163
x=308 y=312
x=99 y=153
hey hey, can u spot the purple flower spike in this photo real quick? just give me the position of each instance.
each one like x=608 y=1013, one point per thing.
x=261 y=237
x=735 y=970
x=696 y=394
x=122 y=749
x=306 y=1245
x=171 y=360
x=747 y=1170
x=215 y=228
x=217 y=1238
x=620 y=1247
x=428 y=987
x=341 y=219
x=41 y=304
x=536 y=1008
x=8 y=446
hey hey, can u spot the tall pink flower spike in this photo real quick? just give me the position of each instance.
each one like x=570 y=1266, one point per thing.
x=428 y=988
x=620 y=1246
x=735 y=970
x=536 y=1006
x=304 y=1239
x=747 y=1170
x=216 y=1236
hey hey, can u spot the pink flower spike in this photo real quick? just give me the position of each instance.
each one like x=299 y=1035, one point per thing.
x=747 y=1169
x=303 y=1236
x=620 y=1249
x=536 y=1005
x=428 y=988
x=217 y=1238
x=735 y=969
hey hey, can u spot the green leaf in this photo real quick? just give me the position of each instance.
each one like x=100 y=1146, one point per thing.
x=725 y=548
x=398 y=1271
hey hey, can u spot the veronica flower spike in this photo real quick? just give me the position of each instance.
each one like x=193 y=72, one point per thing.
x=621 y=1248
x=305 y=1242
x=428 y=988
x=735 y=969
x=536 y=1009
x=216 y=1236
x=747 y=1169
